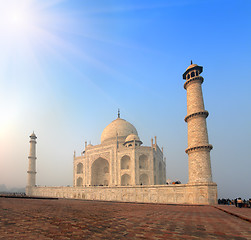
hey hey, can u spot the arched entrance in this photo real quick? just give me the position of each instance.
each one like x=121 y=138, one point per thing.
x=125 y=180
x=125 y=162
x=143 y=179
x=100 y=172
x=80 y=168
x=143 y=162
x=79 y=182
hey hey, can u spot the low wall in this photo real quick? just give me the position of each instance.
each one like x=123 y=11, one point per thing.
x=204 y=193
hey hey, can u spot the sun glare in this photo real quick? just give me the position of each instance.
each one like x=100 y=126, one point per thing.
x=27 y=28
x=16 y=18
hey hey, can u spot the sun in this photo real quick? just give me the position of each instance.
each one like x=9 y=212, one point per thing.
x=26 y=38
x=17 y=18
x=29 y=29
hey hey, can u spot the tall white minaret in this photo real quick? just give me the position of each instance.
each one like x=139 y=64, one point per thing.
x=198 y=149
x=31 y=173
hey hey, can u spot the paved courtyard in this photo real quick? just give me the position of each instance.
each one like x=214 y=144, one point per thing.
x=77 y=219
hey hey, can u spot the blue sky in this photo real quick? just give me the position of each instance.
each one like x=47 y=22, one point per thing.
x=67 y=66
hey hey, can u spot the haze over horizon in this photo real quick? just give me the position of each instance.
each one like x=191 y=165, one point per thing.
x=67 y=66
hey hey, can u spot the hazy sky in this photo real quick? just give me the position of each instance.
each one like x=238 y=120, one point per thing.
x=67 y=66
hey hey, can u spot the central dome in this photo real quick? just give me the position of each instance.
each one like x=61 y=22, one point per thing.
x=119 y=127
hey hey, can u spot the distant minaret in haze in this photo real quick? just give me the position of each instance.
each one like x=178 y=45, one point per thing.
x=198 y=149
x=31 y=173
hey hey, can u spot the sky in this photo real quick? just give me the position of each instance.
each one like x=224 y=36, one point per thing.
x=67 y=66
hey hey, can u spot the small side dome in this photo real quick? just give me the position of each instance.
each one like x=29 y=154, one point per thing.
x=132 y=137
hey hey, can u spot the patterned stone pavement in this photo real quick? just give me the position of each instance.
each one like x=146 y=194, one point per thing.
x=77 y=219
x=244 y=213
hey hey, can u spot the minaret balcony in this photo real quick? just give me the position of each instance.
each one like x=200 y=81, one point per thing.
x=207 y=147
x=193 y=80
x=197 y=114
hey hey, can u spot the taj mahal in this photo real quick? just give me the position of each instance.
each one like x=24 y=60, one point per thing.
x=121 y=168
x=120 y=159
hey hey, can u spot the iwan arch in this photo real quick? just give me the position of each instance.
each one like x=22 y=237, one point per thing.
x=121 y=168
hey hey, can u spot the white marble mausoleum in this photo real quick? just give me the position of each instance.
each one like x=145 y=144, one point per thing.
x=120 y=159
x=121 y=168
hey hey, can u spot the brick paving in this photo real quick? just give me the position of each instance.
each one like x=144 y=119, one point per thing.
x=244 y=213
x=77 y=219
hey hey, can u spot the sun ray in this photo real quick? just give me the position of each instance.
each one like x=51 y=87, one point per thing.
x=34 y=31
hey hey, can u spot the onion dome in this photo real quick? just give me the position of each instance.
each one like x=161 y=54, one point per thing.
x=118 y=129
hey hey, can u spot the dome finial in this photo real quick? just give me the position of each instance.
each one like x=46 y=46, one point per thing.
x=191 y=62
x=118 y=113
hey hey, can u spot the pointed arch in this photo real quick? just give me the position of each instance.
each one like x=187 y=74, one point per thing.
x=143 y=179
x=79 y=182
x=80 y=168
x=100 y=172
x=143 y=162
x=125 y=162
x=125 y=180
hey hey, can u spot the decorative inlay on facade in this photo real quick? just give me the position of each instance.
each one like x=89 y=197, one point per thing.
x=105 y=155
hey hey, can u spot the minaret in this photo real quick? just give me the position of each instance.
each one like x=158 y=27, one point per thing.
x=31 y=181
x=198 y=149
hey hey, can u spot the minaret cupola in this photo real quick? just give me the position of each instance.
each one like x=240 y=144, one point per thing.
x=192 y=71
